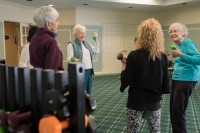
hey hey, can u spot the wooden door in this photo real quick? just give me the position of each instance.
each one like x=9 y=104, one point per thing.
x=11 y=44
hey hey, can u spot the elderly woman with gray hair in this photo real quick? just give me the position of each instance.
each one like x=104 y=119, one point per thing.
x=80 y=50
x=184 y=78
x=44 y=51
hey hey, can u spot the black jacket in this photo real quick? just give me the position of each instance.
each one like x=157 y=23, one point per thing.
x=147 y=80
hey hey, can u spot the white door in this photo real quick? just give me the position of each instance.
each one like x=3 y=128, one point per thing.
x=130 y=31
x=117 y=38
x=112 y=45
x=22 y=33
x=24 y=28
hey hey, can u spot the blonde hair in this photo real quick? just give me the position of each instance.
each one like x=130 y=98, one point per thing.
x=150 y=38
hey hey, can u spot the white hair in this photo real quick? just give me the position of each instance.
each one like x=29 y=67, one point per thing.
x=77 y=28
x=182 y=28
x=45 y=14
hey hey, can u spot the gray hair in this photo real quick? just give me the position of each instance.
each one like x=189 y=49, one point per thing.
x=182 y=28
x=77 y=28
x=45 y=14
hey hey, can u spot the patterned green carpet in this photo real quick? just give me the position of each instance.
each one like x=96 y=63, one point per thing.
x=110 y=115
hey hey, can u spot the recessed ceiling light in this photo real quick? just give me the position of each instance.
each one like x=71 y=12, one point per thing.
x=85 y=4
x=50 y=5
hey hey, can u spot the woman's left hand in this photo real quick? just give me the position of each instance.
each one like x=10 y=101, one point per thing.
x=177 y=53
x=124 y=60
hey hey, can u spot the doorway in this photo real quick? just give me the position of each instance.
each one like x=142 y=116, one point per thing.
x=11 y=30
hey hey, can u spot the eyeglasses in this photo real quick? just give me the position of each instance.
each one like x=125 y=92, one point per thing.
x=173 y=31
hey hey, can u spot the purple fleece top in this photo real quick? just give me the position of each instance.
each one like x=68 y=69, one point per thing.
x=44 y=51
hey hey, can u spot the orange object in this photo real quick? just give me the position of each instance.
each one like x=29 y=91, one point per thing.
x=51 y=124
x=86 y=120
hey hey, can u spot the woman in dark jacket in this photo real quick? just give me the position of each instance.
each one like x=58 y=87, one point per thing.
x=44 y=51
x=145 y=71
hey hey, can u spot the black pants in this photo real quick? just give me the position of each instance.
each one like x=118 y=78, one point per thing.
x=180 y=93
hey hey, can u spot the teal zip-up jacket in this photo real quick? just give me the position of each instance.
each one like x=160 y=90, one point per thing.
x=191 y=59
x=184 y=71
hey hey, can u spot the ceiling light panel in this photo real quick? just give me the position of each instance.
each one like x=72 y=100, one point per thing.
x=144 y=2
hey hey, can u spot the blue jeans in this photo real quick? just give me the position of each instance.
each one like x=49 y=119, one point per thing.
x=88 y=81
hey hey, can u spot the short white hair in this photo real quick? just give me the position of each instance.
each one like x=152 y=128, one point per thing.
x=45 y=14
x=77 y=28
x=183 y=29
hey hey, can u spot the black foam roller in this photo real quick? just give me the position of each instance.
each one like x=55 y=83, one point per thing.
x=77 y=96
x=48 y=83
x=24 y=89
x=4 y=91
x=61 y=81
x=13 y=88
x=36 y=98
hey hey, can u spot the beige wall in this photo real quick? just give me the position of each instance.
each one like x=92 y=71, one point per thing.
x=185 y=15
x=15 y=13
x=67 y=16
x=91 y=16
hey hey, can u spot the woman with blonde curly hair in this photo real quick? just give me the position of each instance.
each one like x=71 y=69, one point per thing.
x=145 y=71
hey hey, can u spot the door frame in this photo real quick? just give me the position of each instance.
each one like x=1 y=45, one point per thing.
x=18 y=39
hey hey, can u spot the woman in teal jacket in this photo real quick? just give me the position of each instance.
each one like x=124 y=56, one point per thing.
x=184 y=78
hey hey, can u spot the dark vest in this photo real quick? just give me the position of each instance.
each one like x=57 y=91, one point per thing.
x=78 y=52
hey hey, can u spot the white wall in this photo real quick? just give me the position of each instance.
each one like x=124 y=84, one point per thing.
x=91 y=16
x=185 y=15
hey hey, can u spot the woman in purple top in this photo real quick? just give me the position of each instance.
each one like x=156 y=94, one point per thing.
x=44 y=51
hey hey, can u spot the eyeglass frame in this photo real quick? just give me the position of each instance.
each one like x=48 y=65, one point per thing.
x=174 y=31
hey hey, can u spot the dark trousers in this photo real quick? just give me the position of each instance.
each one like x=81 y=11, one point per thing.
x=88 y=81
x=180 y=93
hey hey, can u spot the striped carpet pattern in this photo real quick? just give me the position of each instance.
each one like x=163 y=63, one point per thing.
x=110 y=115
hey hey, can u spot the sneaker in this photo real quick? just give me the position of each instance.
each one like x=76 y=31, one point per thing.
x=92 y=117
